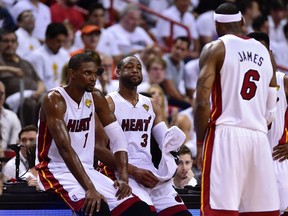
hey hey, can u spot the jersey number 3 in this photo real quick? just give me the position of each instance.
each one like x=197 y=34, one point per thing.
x=249 y=86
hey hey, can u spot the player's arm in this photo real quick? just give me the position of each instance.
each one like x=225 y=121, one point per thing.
x=118 y=141
x=211 y=60
x=280 y=152
x=143 y=176
x=286 y=85
x=53 y=108
x=272 y=93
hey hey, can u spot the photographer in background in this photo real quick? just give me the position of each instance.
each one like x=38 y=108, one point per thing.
x=27 y=139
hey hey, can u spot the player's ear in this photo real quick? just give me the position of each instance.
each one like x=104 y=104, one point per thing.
x=72 y=73
x=118 y=73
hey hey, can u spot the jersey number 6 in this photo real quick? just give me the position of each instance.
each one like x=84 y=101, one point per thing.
x=249 y=86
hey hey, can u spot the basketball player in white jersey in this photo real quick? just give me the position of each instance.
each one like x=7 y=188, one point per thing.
x=237 y=166
x=66 y=141
x=278 y=130
x=140 y=117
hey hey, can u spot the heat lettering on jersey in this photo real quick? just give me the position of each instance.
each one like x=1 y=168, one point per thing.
x=135 y=124
x=249 y=56
x=78 y=125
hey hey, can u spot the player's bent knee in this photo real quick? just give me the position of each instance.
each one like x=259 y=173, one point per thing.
x=104 y=210
x=139 y=208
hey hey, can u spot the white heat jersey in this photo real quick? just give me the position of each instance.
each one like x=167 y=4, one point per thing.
x=136 y=122
x=240 y=90
x=278 y=125
x=79 y=121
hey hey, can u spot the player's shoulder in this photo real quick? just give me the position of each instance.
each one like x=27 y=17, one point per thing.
x=211 y=51
x=53 y=97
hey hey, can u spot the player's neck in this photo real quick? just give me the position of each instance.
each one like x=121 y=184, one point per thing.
x=130 y=96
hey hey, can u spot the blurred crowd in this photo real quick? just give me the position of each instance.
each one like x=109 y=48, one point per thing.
x=37 y=38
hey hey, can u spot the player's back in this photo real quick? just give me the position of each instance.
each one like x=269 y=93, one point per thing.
x=241 y=88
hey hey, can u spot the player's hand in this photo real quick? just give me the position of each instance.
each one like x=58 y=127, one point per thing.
x=33 y=182
x=124 y=189
x=199 y=157
x=145 y=178
x=92 y=200
x=280 y=152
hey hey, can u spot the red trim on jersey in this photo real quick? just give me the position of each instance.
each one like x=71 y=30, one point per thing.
x=271 y=213
x=284 y=137
x=172 y=210
x=124 y=206
x=216 y=98
x=44 y=143
x=242 y=36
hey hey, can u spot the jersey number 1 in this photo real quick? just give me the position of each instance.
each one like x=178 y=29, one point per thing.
x=86 y=136
x=249 y=86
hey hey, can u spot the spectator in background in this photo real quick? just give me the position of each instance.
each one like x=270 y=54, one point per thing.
x=185 y=121
x=118 y=7
x=26 y=41
x=67 y=10
x=6 y=20
x=26 y=138
x=9 y=123
x=145 y=55
x=41 y=14
x=206 y=28
x=191 y=73
x=105 y=83
x=156 y=70
x=32 y=85
x=96 y=16
x=157 y=6
x=280 y=51
x=158 y=95
x=173 y=84
x=260 y=24
x=69 y=43
x=90 y=36
x=277 y=20
x=184 y=175
x=250 y=10
x=126 y=37
x=49 y=59
x=179 y=12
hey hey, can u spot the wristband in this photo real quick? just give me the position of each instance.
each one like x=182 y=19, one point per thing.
x=199 y=143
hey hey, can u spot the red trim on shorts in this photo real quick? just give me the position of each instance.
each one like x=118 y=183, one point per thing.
x=172 y=210
x=216 y=111
x=153 y=209
x=51 y=184
x=214 y=212
x=270 y=213
x=284 y=139
x=124 y=206
x=207 y=157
